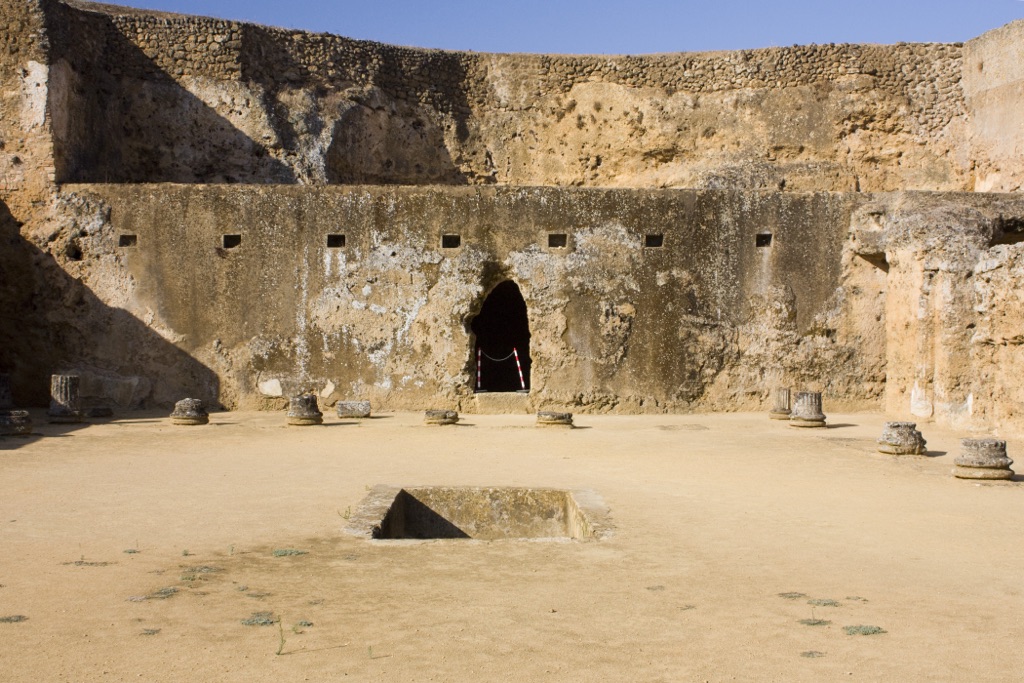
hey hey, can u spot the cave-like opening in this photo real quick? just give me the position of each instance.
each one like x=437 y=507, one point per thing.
x=502 y=333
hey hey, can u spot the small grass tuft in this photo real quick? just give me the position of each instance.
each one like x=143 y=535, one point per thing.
x=863 y=630
x=823 y=602
x=260 y=619
x=130 y=551
x=289 y=552
x=815 y=622
x=812 y=654
x=792 y=596
x=163 y=593
x=305 y=624
x=13 y=619
x=149 y=632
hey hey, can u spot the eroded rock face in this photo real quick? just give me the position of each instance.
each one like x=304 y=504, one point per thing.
x=613 y=324
x=726 y=222
x=190 y=99
x=948 y=267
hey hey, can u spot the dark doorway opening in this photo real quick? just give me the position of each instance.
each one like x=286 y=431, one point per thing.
x=502 y=330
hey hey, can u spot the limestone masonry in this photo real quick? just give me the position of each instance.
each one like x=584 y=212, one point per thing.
x=197 y=208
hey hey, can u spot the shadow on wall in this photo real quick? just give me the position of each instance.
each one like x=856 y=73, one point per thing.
x=388 y=141
x=119 y=118
x=52 y=323
x=393 y=133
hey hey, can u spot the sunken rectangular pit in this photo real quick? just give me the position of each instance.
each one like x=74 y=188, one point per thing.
x=487 y=514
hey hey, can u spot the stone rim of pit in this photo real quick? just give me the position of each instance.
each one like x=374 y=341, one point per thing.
x=590 y=515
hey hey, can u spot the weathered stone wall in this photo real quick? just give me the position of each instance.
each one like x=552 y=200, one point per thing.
x=952 y=317
x=702 y=322
x=878 y=298
x=163 y=98
x=26 y=160
x=66 y=306
x=902 y=300
x=993 y=82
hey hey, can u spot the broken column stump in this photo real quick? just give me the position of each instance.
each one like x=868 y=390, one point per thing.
x=780 y=405
x=65 y=399
x=15 y=423
x=303 y=411
x=190 y=412
x=6 y=399
x=441 y=417
x=901 y=438
x=807 y=410
x=353 y=409
x=547 y=418
x=982 y=459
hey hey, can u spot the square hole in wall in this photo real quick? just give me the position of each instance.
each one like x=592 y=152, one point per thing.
x=558 y=240
x=654 y=241
x=763 y=240
x=451 y=241
x=128 y=241
x=231 y=241
x=335 y=241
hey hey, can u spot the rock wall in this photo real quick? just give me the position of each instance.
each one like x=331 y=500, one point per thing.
x=26 y=150
x=793 y=255
x=951 y=314
x=993 y=83
x=701 y=322
x=163 y=98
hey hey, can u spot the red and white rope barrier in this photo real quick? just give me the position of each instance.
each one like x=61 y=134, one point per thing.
x=522 y=382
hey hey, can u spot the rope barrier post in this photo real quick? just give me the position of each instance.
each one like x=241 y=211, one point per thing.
x=478 y=362
x=522 y=383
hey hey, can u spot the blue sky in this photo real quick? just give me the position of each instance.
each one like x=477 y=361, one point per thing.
x=617 y=26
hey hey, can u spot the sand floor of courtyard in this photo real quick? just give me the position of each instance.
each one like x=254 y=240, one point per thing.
x=715 y=518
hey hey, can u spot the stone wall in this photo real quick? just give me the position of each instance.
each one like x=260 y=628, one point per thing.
x=26 y=160
x=903 y=300
x=993 y=82
x=877 y=296
x=163 y=98
x=951 y=311
x=708 y=320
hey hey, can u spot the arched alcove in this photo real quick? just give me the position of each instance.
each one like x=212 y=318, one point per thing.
x=501 y=327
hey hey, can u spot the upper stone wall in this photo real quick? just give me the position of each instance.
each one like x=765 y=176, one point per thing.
x=993 y=84
x=26 y=165
x=157 y=98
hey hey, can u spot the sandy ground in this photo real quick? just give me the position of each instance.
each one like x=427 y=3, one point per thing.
x=714 y=517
